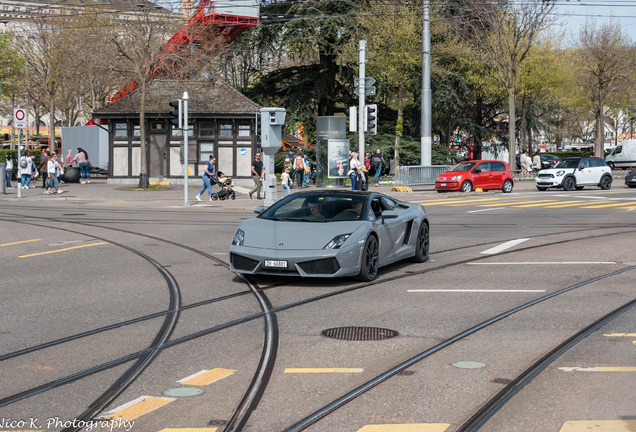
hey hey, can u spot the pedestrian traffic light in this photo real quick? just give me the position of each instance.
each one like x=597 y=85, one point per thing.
x=177 y=114
x=371 y=119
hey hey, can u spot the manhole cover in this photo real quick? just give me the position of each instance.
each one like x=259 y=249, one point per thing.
x=359 y=333
x=183 y=392
x=469 y=365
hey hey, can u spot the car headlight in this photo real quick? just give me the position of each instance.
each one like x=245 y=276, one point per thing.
x=457 y=177
x=337 y=241
x=560 y=173
x=239 y=238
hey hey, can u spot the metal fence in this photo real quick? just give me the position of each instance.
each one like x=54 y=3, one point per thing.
x=418 y=175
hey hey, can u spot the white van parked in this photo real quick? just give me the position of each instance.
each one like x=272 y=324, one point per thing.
x=623 y=155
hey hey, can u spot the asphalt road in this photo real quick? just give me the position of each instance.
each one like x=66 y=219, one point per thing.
x=148 y=277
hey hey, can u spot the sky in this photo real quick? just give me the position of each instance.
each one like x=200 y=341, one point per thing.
x=573 y=14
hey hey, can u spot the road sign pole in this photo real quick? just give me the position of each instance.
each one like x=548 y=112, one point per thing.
x=185 y=131
x=361 y=93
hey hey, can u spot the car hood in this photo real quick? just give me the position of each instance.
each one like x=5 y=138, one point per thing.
x=555 y=170
x=287 y=235
x=449 y=174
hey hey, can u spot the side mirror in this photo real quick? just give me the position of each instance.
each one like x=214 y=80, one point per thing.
x=581 y=168
x=389 y=214
x=259 y=209
x=476 y=171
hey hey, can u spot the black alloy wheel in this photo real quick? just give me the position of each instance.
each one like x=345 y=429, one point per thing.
x=370 y=260
x=422 y=244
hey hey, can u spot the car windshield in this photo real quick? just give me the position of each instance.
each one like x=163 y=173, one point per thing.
x=568 y=163
x=318 y=207
x=463 y=167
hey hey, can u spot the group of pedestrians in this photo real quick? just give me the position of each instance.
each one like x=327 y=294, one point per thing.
x=50 y=170
x=358 y=174
x=529 y=164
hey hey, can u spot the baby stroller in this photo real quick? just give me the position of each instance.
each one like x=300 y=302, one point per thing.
x=226 y=191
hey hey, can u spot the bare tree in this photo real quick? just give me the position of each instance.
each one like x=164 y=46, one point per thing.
x=605 y=63
x=155 y=43
x=503 y=32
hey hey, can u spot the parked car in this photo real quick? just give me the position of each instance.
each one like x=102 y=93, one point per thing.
x=575 y=173
x=327 y=233
x=623 y=155
x=468 y=176
x=548 y=160
x=630 y=179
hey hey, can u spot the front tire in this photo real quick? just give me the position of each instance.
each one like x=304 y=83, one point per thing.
x=569 y=184
x=606 y=182
x=507 y=186
x=467 y=187
x=422 y=244
x=370 y=260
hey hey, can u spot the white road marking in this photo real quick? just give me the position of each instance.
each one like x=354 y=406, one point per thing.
x=543 y=263
x=504 y=246
x=484 y=210
x=476 y=290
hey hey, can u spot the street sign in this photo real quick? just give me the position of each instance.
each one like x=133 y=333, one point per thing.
x=368 y=91
x=19 y=118
x=368 y=81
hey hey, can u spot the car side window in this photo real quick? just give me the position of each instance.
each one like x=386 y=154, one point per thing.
x=376 y=208
x=597 y=162
x=585 y=162
x=483 y=167
x=617 y=150
x=387 y=203
x=497 y=166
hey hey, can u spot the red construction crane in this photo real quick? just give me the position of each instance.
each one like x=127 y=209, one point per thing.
x=226 y=19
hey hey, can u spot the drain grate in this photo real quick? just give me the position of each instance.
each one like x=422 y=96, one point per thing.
x=359 y=333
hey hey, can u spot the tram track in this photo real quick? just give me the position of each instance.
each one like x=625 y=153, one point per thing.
x=252 y=396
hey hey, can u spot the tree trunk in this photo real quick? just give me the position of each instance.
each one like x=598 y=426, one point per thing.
x=399 y=126
x=512 y=136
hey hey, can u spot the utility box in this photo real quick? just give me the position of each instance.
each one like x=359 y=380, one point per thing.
x=272 y=121
x=93 y=139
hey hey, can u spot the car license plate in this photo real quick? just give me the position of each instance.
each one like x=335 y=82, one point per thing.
x=273 y=263
x=442 y=184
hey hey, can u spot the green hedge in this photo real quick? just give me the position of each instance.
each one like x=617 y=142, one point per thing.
x=16 y=160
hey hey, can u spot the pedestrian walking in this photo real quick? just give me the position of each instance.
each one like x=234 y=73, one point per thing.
x=25 y=169
x=536 y=162
x=377 y=162
x=84 y=165
x=208 y=177
x=354 y=170
x=285 y=180
x=52 y=170
x=44 y=160
x=258 y=172
x=9 y=170
x=299 y=167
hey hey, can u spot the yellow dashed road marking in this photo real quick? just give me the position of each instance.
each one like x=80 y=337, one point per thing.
x=567 y=204
x=20 y=242
x=206 y=377
x=536 y=204
x=615 y=204
x=522 y=202
x=620 y=335
x=599 y=426
x=324 y=370
x=138 y=407
x=413 y=427
x=62 y=250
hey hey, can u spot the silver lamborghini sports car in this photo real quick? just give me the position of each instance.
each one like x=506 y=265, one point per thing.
x=327 y=233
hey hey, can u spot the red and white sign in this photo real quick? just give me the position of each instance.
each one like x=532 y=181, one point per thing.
x=19 y=118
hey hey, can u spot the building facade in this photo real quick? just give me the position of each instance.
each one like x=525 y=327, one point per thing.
x=222 y=122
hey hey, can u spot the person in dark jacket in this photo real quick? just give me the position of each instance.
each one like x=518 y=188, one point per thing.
x=377 y=162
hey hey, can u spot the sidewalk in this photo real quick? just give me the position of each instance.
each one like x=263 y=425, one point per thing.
x=98 y=191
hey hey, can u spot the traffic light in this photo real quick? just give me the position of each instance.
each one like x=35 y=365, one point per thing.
x=177 y=114
x=371 y=119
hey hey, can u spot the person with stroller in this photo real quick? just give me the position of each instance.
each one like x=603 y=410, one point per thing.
x=226 y=191
x=208 y=178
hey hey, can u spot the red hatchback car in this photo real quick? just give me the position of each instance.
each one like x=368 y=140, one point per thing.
x=468 y=176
